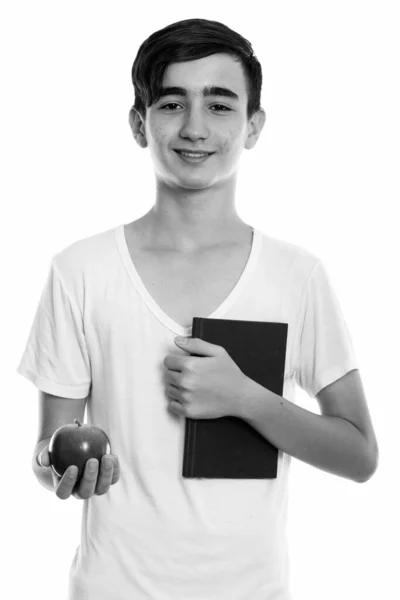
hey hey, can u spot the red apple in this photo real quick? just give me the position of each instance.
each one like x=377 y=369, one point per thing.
x=74 y=444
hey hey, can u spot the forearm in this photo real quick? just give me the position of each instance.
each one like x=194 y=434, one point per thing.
x=43 y=474
x=328 y=443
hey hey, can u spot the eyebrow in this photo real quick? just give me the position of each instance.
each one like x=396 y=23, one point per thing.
x=208 y=90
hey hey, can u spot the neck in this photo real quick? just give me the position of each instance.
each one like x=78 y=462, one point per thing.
x=191 y=220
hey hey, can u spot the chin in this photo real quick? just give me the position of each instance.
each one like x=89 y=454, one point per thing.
x=190 y=183
x=196 y=185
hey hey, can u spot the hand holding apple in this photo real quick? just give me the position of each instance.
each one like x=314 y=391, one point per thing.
x=75 y=444
x=72 y=451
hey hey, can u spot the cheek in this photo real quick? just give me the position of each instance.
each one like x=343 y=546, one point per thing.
x=159 y=132
x=232 y=142
x=157 y=136
x=157 y=141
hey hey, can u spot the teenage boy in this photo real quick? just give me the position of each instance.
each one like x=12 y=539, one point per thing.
x=105 y=338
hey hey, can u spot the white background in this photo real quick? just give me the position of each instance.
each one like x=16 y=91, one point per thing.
x=324 y=175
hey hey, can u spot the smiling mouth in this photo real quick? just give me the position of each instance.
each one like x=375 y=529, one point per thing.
x=193 y=156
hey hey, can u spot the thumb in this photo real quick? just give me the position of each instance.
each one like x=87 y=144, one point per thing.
x=197 y=346
x=43 y=458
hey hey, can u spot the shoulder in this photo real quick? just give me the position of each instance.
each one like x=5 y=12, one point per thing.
x=86 y=253
x=81 y=264
x=287 y=258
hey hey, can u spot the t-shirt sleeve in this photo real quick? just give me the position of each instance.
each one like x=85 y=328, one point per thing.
x=325 y=350
x=56 y=358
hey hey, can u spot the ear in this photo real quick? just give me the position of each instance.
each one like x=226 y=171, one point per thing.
x=137 y=124
x=256 y=124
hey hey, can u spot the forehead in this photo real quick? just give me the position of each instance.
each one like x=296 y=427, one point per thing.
x=215 y=70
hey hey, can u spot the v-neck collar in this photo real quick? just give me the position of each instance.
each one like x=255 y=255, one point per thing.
x=157 y=311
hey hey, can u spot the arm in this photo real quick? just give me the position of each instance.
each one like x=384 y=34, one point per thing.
x=341 y=440
x=54 y=412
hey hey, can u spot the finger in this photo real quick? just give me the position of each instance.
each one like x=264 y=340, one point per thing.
x=173 y=391
x=65 y=484
x=174 y=378
x=88 y=482
x=105 y=475
x=173 y=362
x=176 y=408
x=116 y=470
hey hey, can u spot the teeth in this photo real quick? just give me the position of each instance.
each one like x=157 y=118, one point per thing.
x=193 y=155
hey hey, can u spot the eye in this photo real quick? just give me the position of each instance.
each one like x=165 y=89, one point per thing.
x=222 y=106
x=169 y=104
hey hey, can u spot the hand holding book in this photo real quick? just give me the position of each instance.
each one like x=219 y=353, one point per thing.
x=229 y=354
x=206 y=384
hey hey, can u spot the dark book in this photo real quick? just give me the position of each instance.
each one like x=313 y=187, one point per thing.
x=229 y=447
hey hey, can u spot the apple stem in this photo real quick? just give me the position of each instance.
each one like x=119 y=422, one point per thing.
x=77 y=422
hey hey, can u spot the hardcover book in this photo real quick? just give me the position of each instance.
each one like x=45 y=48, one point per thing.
x=229 y=447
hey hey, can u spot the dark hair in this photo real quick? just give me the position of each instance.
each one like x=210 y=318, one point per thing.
x=189 y=40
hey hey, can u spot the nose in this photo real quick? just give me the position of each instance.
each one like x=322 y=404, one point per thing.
x=194 y=124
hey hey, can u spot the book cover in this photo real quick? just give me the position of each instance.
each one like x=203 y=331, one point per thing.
x=229 y=447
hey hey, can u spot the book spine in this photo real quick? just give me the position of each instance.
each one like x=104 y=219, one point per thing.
x=191 y=424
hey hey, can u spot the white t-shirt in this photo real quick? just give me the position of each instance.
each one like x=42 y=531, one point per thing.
x=156 y=535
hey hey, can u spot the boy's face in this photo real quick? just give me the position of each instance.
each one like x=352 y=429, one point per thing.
x=216 y=124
